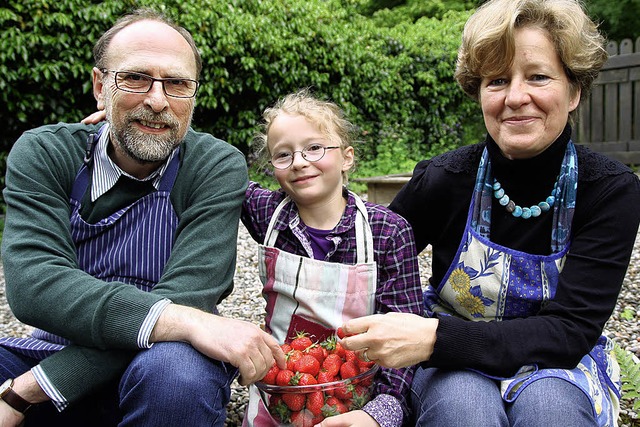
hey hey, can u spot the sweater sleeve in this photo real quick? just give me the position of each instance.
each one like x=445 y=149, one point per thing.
x=103 y=319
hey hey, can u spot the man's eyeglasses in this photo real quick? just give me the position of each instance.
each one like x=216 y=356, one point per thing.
x=129 y=81
x=311 y=153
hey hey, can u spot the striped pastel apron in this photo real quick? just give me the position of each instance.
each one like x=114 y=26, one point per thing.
x=132 y=246
x=304 y=294
x=490 y=282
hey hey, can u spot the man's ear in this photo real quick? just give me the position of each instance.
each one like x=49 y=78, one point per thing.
x=98 y=88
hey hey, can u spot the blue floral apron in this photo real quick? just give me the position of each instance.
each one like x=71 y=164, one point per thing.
x=311 y=295
x=132 y=246
x=487 y=282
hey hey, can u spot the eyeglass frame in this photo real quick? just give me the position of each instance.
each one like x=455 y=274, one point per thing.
x=293 y=154
x=153 y=80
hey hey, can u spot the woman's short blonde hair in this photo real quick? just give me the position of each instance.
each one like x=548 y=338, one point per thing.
x=488 y=45
x=327 y=116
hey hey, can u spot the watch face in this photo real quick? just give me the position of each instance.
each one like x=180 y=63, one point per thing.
x=5 y=387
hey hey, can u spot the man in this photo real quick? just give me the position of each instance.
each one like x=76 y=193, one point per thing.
x=120 y=249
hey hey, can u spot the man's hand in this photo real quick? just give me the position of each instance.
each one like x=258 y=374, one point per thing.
x=28 y=388
x=238 y=342
x=393 y=340
x=9 y=417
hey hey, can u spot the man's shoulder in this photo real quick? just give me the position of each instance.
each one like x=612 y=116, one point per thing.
x=58 y=140
x=200 y=142
x=63 y=130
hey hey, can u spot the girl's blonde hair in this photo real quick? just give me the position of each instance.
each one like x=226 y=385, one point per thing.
x=327 y=116
x=488 y=45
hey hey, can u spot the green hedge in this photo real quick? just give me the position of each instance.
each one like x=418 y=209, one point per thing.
x=395 y=81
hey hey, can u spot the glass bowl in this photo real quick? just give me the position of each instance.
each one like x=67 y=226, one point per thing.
x=310 y=404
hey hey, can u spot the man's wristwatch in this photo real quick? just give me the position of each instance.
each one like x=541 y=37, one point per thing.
x=12 y=398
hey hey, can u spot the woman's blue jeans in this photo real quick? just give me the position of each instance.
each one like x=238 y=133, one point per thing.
x=170 y=384
x=445 y=398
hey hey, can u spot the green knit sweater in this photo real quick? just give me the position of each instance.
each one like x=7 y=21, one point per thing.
x=45 y=287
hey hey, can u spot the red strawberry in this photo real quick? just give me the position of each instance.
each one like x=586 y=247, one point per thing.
x=332 y=364
x=332 y=346
x=306 y=379
x=350 y=355
x=344 y=392
x=307 y=364
x=339 y=350
x=360 y=397
x=364 y=366
x=315 y=402
x=334 y=406
x=302 y=419
x=278 y=409
x=301 y=341
x=272 y=373
x=292 y=357
x=295 y=401
x=342 y=334
x=325 y=376
x=286 y=348
x=283 y=378
x=349 y=369
x=317 y=351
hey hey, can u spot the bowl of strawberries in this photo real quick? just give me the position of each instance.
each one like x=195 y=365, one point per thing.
x=322 y=379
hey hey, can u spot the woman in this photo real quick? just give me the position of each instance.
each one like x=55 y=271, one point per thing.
x=531 y=237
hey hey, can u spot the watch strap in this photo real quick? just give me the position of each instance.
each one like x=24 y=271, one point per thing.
x=14 y=400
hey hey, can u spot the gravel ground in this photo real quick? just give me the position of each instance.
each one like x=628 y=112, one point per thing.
x=246 y=303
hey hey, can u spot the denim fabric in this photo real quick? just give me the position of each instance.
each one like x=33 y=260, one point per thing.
x=97 y=410
x=170 y=384
x=464 y=398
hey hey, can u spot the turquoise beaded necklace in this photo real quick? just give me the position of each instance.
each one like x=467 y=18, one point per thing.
x=518 y=211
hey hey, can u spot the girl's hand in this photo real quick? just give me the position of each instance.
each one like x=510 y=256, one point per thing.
x=94 y=118
x=357 y=418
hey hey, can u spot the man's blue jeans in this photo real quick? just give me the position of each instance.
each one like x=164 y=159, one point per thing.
x=464 y=398
x=170 y=384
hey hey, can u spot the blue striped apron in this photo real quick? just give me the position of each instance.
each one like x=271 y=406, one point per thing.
x=487 y=282
x=131 y=246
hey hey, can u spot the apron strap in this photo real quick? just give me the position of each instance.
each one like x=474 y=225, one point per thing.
x=364 y=236
x=272 y=234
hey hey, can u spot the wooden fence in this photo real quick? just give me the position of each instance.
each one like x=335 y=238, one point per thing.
x=609 y=121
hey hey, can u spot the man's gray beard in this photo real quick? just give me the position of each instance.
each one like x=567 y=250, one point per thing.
x=142 y=147
x=145 y=148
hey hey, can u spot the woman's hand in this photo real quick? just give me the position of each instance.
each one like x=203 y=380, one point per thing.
x=392 y=340
x=357 y=418
x=94 y=118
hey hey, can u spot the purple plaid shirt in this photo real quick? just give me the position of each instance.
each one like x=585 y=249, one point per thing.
x=394 y=252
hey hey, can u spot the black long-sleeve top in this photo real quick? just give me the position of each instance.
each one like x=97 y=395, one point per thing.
x=605 y=225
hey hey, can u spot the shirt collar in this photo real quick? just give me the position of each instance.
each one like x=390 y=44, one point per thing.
x=290 y=217
x=106 y=173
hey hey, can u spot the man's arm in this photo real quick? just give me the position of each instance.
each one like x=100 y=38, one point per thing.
x=207 y=198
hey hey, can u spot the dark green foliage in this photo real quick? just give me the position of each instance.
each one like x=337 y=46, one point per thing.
x=618 y=19
x=395 y=82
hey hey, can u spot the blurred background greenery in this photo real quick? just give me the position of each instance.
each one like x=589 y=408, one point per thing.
x=388 y=63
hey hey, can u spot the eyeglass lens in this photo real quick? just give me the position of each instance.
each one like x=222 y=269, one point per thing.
x=312 y=153
x=141 y=83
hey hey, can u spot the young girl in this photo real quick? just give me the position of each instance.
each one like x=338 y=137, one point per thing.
x=326 y=256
